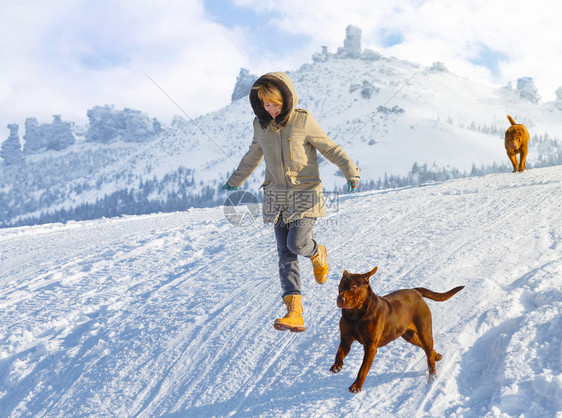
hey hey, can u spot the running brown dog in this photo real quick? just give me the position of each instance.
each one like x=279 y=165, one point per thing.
x=375 y=321
x=517 y=142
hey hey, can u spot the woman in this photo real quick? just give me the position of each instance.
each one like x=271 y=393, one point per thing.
x=288 y=138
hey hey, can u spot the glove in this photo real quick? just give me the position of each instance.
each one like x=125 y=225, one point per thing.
x=229 y=188
x=352 y=184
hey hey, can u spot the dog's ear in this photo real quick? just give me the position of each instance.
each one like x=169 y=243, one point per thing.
x=345 y=273
x=368 y=275
x=373 y=271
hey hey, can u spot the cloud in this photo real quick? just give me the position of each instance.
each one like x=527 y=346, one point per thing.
x=491 y=41
x=74 y=55
x=66 y=56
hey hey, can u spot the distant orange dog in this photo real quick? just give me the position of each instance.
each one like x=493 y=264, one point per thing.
x=516 y=142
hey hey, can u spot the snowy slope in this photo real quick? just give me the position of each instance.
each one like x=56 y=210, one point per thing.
x=406 y=114
x=445 y=119
x=171 y=314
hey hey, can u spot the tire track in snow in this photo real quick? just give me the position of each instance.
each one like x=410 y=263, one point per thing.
x=218 y=322
x=200 y=358
x=129 y=261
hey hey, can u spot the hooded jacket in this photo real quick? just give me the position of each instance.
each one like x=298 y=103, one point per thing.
x=289 y=145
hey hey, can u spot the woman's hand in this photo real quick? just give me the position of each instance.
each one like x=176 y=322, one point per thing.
x=352 y=184
x=228 y=188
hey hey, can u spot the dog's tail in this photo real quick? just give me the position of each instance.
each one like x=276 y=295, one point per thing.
x=511 y=120
x=439 y=297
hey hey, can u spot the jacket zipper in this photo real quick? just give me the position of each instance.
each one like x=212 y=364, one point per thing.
x=290 y=152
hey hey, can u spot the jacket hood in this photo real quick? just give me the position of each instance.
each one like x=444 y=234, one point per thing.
x=290 y=99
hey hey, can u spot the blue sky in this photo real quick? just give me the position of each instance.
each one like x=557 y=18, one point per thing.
x=66 y=56
x=265 y=37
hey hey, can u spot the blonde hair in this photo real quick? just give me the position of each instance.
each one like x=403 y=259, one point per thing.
x=270 y=94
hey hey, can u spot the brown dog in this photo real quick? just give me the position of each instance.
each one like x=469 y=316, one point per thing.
x=375 y=321
x=517 y=142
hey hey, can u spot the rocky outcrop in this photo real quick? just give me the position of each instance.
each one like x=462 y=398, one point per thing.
x=47 y=136
x=10 y=151
x=108 y=125
x=244 y=83
x=527 y=89
x=351 y=44
x=351 y=48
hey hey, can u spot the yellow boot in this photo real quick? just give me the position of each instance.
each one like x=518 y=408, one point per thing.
x=293 y=320
x=320 y=265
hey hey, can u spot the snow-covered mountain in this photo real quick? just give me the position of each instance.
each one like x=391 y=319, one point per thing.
x=403 y=124
x=171 y=314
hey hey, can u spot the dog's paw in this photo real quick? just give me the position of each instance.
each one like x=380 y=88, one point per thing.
x=336 y=368
x=355 y=388
x=431 y=378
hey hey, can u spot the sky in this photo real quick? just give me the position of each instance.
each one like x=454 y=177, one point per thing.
x=67 y=56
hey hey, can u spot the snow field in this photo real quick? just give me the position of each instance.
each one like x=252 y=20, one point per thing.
x=171 y=314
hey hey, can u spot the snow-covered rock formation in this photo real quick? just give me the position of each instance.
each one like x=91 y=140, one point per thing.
x=11 y=151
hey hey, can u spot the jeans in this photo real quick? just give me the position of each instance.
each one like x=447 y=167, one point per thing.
x=293 y=239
